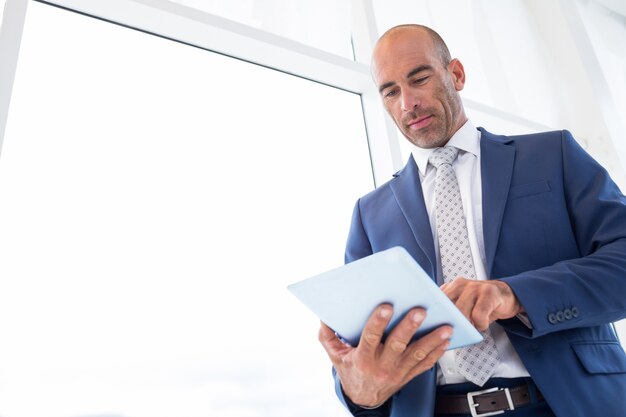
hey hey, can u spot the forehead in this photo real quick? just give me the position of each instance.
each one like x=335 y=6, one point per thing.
x=397 y=53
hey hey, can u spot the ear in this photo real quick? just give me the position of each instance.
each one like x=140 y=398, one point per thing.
x=457 y=72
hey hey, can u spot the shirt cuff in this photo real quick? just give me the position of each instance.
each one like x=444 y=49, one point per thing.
x=523 y=317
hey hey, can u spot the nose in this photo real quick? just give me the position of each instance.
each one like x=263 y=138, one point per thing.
x=409 y=101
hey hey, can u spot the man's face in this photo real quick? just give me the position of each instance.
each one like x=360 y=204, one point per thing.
x=418 y=91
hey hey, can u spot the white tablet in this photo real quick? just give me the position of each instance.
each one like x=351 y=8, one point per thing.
x=345 y=297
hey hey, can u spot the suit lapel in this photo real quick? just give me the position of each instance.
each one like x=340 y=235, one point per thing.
x=497 y=161
x=407 y=190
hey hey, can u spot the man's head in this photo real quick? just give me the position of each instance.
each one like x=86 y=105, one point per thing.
x=419 y=84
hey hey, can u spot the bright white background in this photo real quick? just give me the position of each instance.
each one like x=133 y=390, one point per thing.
x=155 y=201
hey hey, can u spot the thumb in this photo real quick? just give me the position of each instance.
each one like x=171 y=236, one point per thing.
x=333 y=346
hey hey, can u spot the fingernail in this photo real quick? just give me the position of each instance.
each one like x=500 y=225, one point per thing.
x=418 y=316
x=385 y=312
x=446 y=334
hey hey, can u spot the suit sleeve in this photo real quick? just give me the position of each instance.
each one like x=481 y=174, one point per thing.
x=588 y=290
x=358 y=245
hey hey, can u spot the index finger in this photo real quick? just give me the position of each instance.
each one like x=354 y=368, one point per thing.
x=375 y=329
x=453 y=289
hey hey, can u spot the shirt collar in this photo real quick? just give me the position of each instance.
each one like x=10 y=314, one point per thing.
x=466 y=139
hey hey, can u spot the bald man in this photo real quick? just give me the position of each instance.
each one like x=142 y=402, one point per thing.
x=546 y=227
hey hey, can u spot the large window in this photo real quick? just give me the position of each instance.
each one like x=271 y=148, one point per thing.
x=155 y=201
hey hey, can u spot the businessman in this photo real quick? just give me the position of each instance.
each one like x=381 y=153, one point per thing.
x=525 y=234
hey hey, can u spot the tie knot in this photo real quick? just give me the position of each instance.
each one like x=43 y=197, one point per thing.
x=443 y=155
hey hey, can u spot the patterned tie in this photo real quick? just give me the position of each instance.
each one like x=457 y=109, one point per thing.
x=477 y=362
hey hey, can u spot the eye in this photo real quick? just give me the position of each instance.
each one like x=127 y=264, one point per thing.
x=390 y=93
x=419 y=81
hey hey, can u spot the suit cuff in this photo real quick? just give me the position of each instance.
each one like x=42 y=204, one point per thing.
x=383 y=410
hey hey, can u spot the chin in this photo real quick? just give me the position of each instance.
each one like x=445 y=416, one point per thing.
x=427 y=143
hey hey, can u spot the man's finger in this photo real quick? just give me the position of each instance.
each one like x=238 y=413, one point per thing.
x=482 y=311
x=420 y=350
x=374 y=330
x=334 y=347
x=477 y=300
x=454 y=289
x=429 y=361
x=401 y=335
x=465 y=303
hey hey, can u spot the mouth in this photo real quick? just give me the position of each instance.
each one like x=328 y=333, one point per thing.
x=419 y=123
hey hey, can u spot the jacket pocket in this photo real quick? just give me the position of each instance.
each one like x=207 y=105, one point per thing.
x=525 y=190
x=601 y=357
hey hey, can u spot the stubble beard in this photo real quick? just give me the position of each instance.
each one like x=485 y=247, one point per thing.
x=443 y=125
x=432 y=136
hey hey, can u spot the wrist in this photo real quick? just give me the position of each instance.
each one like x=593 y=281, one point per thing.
x=364 y=405
x=514 y=305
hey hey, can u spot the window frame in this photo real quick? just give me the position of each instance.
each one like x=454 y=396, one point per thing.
x=216 y=34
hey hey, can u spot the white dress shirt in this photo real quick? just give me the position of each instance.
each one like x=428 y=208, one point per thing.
x=467 y=169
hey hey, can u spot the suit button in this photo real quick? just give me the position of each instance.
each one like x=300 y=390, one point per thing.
x=575 y=311
x=560 y=316
x=568 y=314
x=552 y=318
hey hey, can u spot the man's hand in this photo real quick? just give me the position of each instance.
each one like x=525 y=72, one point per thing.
x=483 y=302
x=372 y=372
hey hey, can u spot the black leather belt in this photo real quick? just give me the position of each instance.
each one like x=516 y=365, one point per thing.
x=485 y=403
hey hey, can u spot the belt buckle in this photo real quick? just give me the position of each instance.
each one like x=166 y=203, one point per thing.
x=473 y=405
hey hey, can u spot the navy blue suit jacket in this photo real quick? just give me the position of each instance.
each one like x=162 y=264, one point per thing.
x=554 y=227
